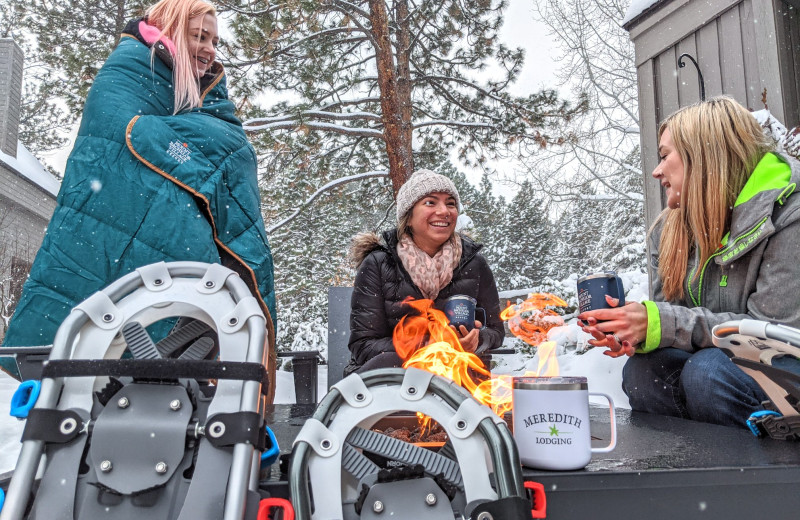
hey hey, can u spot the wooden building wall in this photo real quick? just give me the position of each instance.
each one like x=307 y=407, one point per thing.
x=744 y=48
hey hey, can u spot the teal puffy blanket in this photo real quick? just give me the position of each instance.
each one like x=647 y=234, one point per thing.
x=143 y=186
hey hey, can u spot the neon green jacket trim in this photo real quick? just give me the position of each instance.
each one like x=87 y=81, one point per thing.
x=653 y=328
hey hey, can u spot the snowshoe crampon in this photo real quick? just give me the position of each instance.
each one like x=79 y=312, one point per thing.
x=759 y=348
x=342 y=469
x=171 y=433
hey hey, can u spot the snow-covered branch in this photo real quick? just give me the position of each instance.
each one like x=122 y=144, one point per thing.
x=321 y=114
x=323 y=189
x=612 y=197
x=228 y=6
x=311 y=125
x=451 y=123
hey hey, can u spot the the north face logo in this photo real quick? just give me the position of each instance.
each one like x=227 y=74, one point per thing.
x=179 y=151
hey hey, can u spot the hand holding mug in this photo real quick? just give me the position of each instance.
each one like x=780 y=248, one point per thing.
x=619 y=329
x=460 y=310
x=595 y=288
x=469 y=339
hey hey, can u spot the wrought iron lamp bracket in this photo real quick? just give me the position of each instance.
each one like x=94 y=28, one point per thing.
x=682 y=64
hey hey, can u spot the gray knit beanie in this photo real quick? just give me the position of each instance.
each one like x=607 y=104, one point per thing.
x=420 y=184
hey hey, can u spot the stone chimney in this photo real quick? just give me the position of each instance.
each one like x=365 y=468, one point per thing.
x=11 y=59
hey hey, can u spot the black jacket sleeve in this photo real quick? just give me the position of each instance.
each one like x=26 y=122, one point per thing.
x=370 y=334
x=491 y=337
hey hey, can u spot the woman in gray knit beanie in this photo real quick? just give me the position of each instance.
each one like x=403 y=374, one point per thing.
x=424 y=257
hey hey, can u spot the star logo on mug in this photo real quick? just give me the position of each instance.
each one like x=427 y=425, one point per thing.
x=554 y=430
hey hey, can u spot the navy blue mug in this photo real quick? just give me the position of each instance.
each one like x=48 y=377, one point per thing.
x=460 y=310
x=592 y=290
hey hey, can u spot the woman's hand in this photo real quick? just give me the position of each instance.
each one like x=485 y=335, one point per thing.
x=619 y=329
x=469 y=339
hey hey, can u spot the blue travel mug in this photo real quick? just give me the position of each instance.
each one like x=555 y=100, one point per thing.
x=593 y=288
x=460 y=310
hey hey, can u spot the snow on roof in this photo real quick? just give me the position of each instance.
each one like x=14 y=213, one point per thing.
x=786 y=141
x=29 y=167
x=636 y=8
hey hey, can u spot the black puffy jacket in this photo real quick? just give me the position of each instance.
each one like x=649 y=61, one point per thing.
x=382 y=283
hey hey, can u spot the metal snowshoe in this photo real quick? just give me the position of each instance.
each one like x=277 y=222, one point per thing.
x=755 y=346
x=169 y=434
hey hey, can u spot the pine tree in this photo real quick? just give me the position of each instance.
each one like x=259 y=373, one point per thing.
x=312 y=255
x=73 y=39
x=579 y=237
x=487 y=212
x=527 y=240
x=381 y=80
x=624 y=225
x=342 y=101
x=44 y=122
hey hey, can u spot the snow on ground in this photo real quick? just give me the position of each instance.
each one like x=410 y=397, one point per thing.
x=10 y=427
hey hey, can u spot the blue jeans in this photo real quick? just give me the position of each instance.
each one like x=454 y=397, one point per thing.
x=704 y=386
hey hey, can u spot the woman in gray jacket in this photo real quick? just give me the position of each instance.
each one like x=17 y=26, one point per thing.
x=725 y=248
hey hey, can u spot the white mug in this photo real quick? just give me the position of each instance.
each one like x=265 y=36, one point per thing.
x=551 y=422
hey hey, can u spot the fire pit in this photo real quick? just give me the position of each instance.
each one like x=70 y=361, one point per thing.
x=339 y=444
x=408 y=428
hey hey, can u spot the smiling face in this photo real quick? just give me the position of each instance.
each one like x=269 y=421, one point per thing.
x=203 y=40
x=670 y=170
x=433 y=221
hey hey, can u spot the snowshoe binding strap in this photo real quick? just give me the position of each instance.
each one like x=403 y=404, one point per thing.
x=754 y=346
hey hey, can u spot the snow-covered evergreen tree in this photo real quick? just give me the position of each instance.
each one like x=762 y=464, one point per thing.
x=487 y=212
x=578 y=236
x=380 y=80
x=624 y=224
x=527 y=241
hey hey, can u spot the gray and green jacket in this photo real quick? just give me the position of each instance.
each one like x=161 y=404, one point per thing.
x=755 y=274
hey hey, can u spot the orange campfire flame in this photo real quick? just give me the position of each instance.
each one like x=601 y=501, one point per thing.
x=425 y=340
x=531 y=319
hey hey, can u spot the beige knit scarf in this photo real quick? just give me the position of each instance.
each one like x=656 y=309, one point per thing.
x=430 y=274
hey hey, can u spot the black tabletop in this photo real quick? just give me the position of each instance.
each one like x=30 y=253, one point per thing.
x=662 y=467
x=666 y=467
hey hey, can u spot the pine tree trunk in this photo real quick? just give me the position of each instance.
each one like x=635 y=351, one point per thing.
x=395 y=98
x=404 y=79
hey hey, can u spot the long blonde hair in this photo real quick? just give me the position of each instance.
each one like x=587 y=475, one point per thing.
x=172 y=17
x=720 y=143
